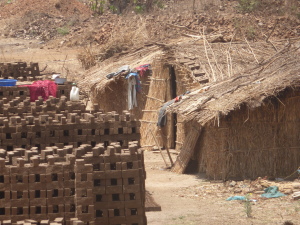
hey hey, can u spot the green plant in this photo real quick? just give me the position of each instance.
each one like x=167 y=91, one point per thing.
x=97 y=6
x=247 y=5
x=248 y=207
x=63 y=30
x=139 y=9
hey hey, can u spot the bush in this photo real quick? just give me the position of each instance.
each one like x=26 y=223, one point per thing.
x=248 y=5
x=63 y=30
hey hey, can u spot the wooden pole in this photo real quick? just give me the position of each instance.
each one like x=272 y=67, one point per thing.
x=159 y=148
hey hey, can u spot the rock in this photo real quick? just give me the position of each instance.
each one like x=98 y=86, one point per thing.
x=237 y=190
x=259 y=192
x=287 y=191
x=296 y=185
x=232 y=183
x=296 y=195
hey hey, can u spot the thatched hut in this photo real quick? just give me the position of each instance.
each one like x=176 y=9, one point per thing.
x=185 y=65
x=247 y=125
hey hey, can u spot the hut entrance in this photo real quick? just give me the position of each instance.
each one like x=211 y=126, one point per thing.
x=174 y=94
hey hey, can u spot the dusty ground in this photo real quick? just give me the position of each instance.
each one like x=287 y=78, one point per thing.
x=44 y=37
x=189 y=199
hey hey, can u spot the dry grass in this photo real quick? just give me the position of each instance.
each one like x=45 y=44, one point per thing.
x=87 y=58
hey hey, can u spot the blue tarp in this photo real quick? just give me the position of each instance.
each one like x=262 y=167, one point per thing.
x=272 y=192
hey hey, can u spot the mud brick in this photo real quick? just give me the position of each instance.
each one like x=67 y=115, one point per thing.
x=38 y=211
x=5 y=201
x=135 y=188
x=132 y=197
x=117 y=174
x=81 y=167
x=114 y=189
x=133 y=204
x=38 y=198
x=112 y=158
x=139 y=220
x=15 y=212
x=117 y=220
x=113 y=166
x=99 y=174
x=130 y=165
x=101 y=220
x=84 y=193
x=129 y=158
x=131 y=173
x=80 y=138
x=84 y=184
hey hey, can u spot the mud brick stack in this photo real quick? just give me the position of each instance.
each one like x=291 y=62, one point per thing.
x=95 y=185
x=19 y=70
x=67 y=129
x=13 y=92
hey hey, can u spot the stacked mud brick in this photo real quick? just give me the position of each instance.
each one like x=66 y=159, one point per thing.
x=52 y=106
x=97 y=185
x=56 y=221
x=67 y=129
x=19 y=71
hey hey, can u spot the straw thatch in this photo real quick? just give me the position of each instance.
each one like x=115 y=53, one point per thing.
x=111 y=94
x=250 y=121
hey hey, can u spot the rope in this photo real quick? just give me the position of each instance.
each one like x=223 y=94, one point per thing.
x=297 y=171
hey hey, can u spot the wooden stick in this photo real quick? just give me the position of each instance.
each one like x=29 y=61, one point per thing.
x=149 y=110
x=267 y=40
x=155 y=99
x=212 y=70
x=159 y=148
x=251 y=50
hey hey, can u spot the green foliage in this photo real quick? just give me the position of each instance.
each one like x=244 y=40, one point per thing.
x=248 y=5
x=139 y=8
x=63 y=30
x=97 y=6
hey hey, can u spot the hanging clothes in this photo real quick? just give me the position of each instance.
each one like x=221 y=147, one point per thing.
x=132 y=102
x=142 y=69
x=44 y=88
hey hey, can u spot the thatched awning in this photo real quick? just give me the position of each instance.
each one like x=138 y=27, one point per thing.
x=95 y=81
x=251 y=87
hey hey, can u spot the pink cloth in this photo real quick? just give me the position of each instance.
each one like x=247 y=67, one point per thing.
x=44 y=88
x=142 y=69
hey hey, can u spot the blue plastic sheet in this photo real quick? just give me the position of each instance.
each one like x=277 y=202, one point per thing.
x=236 y=198
x=272 y=192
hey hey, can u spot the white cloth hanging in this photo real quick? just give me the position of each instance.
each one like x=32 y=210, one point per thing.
x=132 y=102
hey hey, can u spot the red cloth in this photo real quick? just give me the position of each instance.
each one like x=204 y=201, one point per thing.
x=142 y=69
x=44 y=88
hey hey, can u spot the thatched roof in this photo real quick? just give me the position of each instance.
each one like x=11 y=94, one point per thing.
x=251 y=87
x=96 y=80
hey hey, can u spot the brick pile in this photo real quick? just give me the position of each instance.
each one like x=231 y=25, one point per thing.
x=68 y=129
x=98 y=185
x=19 y=70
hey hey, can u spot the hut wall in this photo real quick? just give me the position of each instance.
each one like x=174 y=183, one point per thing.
x=157 y=96
x=250 y=143
x=114 y=96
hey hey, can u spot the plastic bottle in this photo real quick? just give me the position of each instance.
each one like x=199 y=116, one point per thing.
x=74 y=94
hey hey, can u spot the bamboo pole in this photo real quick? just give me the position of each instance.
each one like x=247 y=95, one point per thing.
x=159 y=147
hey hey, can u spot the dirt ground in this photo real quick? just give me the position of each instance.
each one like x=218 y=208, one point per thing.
x=184 y=199
x=190 y=199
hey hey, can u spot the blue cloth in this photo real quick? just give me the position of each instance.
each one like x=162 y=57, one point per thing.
x=236 y=198
x=272 y=192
